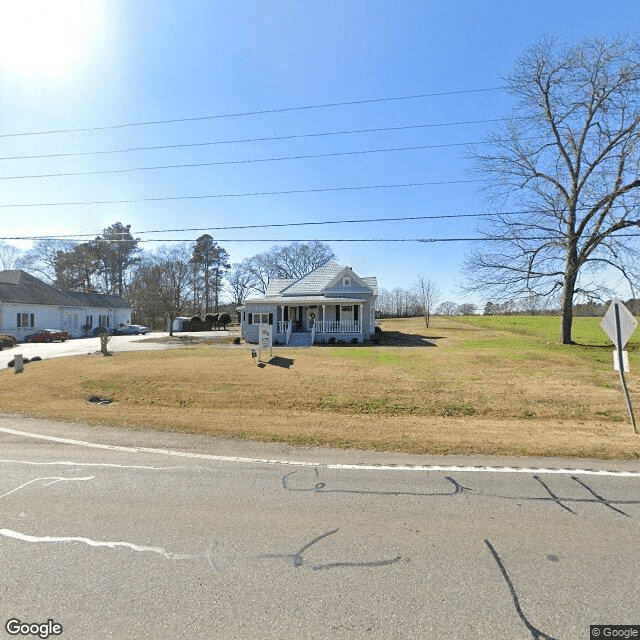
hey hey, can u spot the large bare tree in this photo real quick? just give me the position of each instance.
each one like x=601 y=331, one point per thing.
x=564 y=173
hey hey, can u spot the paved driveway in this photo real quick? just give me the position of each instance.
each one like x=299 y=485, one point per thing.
x=82 y=346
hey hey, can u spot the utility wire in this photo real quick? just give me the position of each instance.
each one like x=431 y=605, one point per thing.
x=235 y=195
x=246 y=140
x=192 y=165
x=329 y=240
x=293 y=224
x=251 y=113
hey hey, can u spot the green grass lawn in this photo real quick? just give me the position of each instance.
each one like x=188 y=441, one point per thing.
x=493 y=385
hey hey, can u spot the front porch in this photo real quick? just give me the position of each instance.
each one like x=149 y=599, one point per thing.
x=318 y=331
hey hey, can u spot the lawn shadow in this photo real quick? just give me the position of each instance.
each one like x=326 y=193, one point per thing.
x=399 y=339
x=277 y=361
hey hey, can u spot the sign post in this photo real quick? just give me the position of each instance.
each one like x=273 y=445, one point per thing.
x=618 y=323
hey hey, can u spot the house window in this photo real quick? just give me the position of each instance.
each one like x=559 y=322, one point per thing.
x=104 y=321
x=25 y=320
x=346 y=281
x=89 y=322
x=263 y=318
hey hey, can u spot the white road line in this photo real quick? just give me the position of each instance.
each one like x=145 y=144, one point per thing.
x=299 y=463
x=68 y=463
x=8 y=533
x=54 y=480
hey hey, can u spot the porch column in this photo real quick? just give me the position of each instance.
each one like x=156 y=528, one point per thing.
x=282 y=315
x=324 y=317
x=360 y=306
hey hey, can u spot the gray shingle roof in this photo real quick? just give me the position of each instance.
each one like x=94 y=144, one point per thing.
x=19 y=286
x=102 y=300
x=310 y=286
x=294 y=300
x=276 y=285
x=316 y=280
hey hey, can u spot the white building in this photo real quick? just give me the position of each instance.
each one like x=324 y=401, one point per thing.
x=328 y=304
x=28 y=304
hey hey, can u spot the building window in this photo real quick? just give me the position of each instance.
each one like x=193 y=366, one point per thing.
x=104 y=321
x=346 y=281
x=25 y=320
x=262 y=318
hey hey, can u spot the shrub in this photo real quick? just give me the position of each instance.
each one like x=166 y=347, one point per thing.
x=211 y=318
x=12 y=363
x=354 y=340
x=36 y=359
x=195 y=319
x=236 y=340
x=7 y=341
x=332 y=340
x=224 y=319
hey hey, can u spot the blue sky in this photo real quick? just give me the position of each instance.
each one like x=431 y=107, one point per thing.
x=95 y=64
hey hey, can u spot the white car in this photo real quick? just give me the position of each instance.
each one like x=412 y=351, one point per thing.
x=133 y=329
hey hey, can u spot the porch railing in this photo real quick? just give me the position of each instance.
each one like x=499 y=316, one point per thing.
x=337 y=326
x=282 y=326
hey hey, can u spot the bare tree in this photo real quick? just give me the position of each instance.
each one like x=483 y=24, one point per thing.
x=428 y=295
x=42 y=258
x=564 y=170
x=10 y=257
x=289 y=261
x=240 y=281
x=447 y=308
x=172 y=279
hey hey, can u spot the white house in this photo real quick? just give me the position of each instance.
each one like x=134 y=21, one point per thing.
x=331 y=301
x=28 y=304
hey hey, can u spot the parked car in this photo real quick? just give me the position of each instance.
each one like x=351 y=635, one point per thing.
x=47 y=335
x=133 y=329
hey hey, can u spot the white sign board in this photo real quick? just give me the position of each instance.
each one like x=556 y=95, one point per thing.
x=265 y=338
x=626 y=322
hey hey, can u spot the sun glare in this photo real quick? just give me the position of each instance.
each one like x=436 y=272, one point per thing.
x=47 y=37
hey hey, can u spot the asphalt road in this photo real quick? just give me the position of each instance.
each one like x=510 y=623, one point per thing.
x=118 y=534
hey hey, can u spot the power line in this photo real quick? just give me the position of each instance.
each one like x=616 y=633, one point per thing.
x=377 y=240
x=192 y=165
x=252 y=113
x=290 y=224
x=237 y=195
x=246 y=140
x=272 y=225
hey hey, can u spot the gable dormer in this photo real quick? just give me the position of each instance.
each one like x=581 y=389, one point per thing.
x=347 y=281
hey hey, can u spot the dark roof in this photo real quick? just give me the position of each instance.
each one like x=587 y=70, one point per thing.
x=93 y=299
x=19 y=286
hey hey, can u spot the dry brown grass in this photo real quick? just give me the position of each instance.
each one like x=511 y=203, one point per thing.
x=479 y=390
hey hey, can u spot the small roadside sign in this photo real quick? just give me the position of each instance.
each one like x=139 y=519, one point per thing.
x=265 y=339
x=619 y=330
x=618 y=323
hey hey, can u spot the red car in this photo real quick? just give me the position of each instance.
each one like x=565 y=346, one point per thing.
x=47 y=335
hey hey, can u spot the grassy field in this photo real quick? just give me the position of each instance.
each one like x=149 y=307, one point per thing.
x=487 y=385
